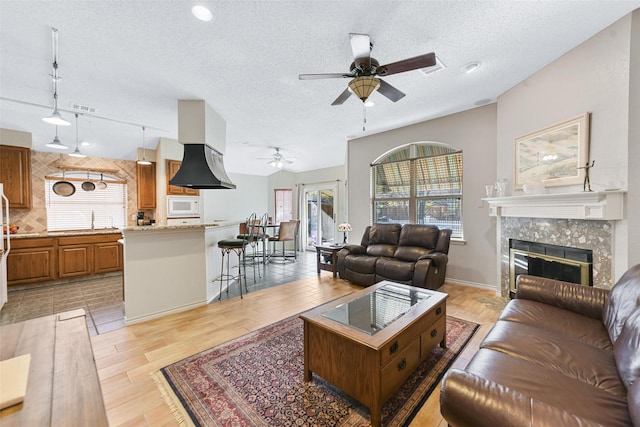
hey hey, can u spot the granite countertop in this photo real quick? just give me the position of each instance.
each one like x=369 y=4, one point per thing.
x=217 y=223
x=20 y=235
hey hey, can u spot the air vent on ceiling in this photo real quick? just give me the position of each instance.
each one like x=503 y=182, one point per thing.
x=430 y=70
x=82 y=108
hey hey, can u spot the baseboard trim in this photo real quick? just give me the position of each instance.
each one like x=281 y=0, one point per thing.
x=471 y=284
x=158 y=314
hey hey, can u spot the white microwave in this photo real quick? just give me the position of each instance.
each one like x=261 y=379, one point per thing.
x=183 y=206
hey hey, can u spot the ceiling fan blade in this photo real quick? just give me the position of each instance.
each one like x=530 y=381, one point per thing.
x=422 y=61
x=361 y=48
x=325 y=76
x=390 y=92
x=343 y=97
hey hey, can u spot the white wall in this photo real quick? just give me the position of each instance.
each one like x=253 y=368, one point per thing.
x=251 y=195
x=594 y=77
x=473 y=131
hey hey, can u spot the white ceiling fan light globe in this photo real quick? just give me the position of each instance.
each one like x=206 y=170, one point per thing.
x=279 y=164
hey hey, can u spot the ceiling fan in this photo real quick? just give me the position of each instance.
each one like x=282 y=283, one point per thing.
x=365 y=71
x=277 y=160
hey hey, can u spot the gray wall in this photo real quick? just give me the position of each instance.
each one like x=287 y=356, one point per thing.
x=473 y=131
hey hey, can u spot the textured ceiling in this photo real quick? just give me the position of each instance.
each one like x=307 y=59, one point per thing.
x=132 y=60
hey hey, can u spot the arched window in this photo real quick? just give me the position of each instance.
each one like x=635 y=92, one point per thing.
x=419 y=183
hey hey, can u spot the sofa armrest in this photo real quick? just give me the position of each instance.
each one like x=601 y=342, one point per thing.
x=467 y=400
x=585 y=300
x=439 y=259
x=353 y=249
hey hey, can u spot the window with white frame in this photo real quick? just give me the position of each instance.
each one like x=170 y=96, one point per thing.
x=419 y=183
x=86 y=210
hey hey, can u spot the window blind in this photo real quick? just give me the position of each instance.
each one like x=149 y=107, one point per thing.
x=107 y=208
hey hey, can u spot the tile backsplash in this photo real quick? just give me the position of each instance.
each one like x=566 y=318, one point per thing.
x=34 y=220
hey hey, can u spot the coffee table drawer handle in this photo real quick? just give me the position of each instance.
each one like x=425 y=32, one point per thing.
x=393 y=348
x=402 y=364
x=434 y=333
x=439 y=310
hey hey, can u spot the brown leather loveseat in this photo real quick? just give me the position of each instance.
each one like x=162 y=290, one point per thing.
x=414 y=254
x=560 y=354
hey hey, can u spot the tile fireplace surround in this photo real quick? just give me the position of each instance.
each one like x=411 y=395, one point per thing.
x=580 y=220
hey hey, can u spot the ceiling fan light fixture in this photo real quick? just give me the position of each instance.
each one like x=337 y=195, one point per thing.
x=279 y=164
x=363 y=87
x=369 y=103
x=202 y=13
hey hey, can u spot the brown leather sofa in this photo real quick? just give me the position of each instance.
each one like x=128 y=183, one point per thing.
x=414 y=254
x=560 y=354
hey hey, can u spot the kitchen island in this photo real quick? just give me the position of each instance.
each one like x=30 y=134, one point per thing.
x=169 y=269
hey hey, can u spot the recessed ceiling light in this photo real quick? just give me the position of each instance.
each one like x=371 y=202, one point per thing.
x=202 y=13
x=369 y=103
x=85 y=143
x=470 y=67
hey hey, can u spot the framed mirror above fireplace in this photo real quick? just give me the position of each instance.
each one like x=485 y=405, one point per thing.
x=564 y=263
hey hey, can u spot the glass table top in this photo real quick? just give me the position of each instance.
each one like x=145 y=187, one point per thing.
x=374 y=311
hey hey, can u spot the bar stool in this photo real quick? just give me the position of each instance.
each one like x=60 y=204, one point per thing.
x=238 y=247
x=251 y=236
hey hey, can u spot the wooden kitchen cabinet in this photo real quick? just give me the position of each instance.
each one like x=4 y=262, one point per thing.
x=41 y=259
x=146 y=186
x=31 y=260
x=172 y=168
x=15 y=174
x=75 y=260
x=108 y=257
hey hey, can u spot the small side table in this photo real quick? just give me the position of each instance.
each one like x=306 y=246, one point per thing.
x=333 y=252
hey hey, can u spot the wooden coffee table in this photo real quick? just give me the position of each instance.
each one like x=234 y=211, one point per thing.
x=369 y=342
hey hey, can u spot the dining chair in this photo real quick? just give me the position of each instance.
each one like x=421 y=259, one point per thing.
x=288 y=232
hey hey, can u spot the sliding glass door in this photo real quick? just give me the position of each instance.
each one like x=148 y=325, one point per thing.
x=320 y=217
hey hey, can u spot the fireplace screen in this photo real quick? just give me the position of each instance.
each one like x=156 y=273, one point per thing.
x=550 y=261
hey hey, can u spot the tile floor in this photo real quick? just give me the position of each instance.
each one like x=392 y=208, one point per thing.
x=102 y=298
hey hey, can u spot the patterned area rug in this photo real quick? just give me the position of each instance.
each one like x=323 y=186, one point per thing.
x=257 y=380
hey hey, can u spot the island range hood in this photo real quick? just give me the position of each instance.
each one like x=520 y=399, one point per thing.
x=203 y=133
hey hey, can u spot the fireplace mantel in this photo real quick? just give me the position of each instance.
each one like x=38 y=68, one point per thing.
x=596 y=205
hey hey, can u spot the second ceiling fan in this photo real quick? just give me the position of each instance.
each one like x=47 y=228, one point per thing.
x=365 y=71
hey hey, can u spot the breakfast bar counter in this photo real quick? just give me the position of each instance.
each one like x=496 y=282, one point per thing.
x=169 y=269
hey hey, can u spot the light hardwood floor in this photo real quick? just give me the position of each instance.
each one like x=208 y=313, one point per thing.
x=126 y=357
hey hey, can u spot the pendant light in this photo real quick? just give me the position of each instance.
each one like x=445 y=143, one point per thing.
x=56 y=143
x=144 y=160
x=55 y=118
x=76 y=152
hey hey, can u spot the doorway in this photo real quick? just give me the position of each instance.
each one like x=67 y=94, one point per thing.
x=320 y=216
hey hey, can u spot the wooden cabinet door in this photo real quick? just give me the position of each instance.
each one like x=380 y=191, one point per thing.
x=75 y=260
x=172 y=168
x=108 y=257
x=146 y=186
x=30 y=265
x=15 y=174
x=172 y=190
